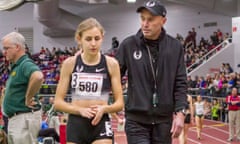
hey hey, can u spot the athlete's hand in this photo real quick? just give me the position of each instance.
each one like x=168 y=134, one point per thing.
x=177 y=125
x=99 y=113
x=87 y=112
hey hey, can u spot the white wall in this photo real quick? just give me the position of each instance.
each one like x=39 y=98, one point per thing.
x=21 y=17
x=118 y=20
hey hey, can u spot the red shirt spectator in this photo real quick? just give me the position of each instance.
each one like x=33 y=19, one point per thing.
x=231 y=99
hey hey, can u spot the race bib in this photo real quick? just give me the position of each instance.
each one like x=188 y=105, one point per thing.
x=87 y=84
x=199 y=109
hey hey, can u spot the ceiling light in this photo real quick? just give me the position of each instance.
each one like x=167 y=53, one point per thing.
x=131 y=1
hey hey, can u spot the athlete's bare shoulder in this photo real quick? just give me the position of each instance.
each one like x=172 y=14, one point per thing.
x=111 y=60
x=112 y=64
x=69 y=60
x=69 y=63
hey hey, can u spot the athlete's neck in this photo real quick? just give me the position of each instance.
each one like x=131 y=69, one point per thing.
x=91 y=59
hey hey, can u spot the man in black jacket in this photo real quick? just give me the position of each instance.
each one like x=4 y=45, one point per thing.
x=157 y=80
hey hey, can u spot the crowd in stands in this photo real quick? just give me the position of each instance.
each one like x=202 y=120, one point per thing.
x=194 y=51
x=49 y=60
x=217 y=85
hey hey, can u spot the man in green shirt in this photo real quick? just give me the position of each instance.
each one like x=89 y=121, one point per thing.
x=20 y=103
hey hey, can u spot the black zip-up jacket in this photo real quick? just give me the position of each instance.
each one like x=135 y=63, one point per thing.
x=171 y=78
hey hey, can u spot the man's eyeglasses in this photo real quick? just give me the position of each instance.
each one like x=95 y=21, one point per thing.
x=8 y=47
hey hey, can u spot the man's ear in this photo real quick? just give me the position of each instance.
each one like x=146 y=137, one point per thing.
x=164 y=20
x=18 y=47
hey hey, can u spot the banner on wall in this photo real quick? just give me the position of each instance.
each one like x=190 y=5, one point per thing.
x=236 y=40
x=235 y=26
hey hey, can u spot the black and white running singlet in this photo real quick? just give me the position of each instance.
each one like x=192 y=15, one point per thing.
x=90 y=82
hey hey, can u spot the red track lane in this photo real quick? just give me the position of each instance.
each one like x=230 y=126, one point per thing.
x=214 y=132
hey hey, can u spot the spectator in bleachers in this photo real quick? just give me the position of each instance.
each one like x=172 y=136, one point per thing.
x=203 y=41
x=56 y=60
x=215 y=112
x=214 y=39
x=42 y=56
x=53 y=52
x=48 y=54
x=232 y=81
x=207 y=109
x=202 y=86
x=59 y=51
x=50 y=74
x=42 y=50
x=179 y=37
x=222 y=69
x=5 y=75
x=224 y=85
x=217 y=85
x=226 y=36
x=224 y=110
x=219 y=34
x=210 y=87
x=71 y=51
x=66 y=51
x=238 y=80
x=195 y=82
x=188 y=40
x=229 y=69
x=27 y=51
x=189 y=82
x=194 y=37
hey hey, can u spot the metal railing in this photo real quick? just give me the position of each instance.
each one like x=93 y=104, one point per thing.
x=211 y=53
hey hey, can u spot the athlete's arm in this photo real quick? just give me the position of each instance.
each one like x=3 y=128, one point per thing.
x=118 y=103
x=115 y=75
x=63 y=85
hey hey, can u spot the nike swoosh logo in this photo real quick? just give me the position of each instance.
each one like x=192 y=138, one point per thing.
x=102 y=134
x=99 y=70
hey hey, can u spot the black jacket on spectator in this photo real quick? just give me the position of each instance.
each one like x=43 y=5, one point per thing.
x=171 y=78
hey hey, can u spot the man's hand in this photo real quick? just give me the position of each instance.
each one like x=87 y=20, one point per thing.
x=30 y=103
x=177 y=125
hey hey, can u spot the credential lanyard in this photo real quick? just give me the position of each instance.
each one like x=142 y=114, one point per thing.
x=155 y=95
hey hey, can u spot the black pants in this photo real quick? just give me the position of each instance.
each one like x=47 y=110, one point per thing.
x=138 y=133
x=81 y=131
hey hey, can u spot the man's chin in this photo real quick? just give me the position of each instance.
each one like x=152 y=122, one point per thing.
x=147 y=36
